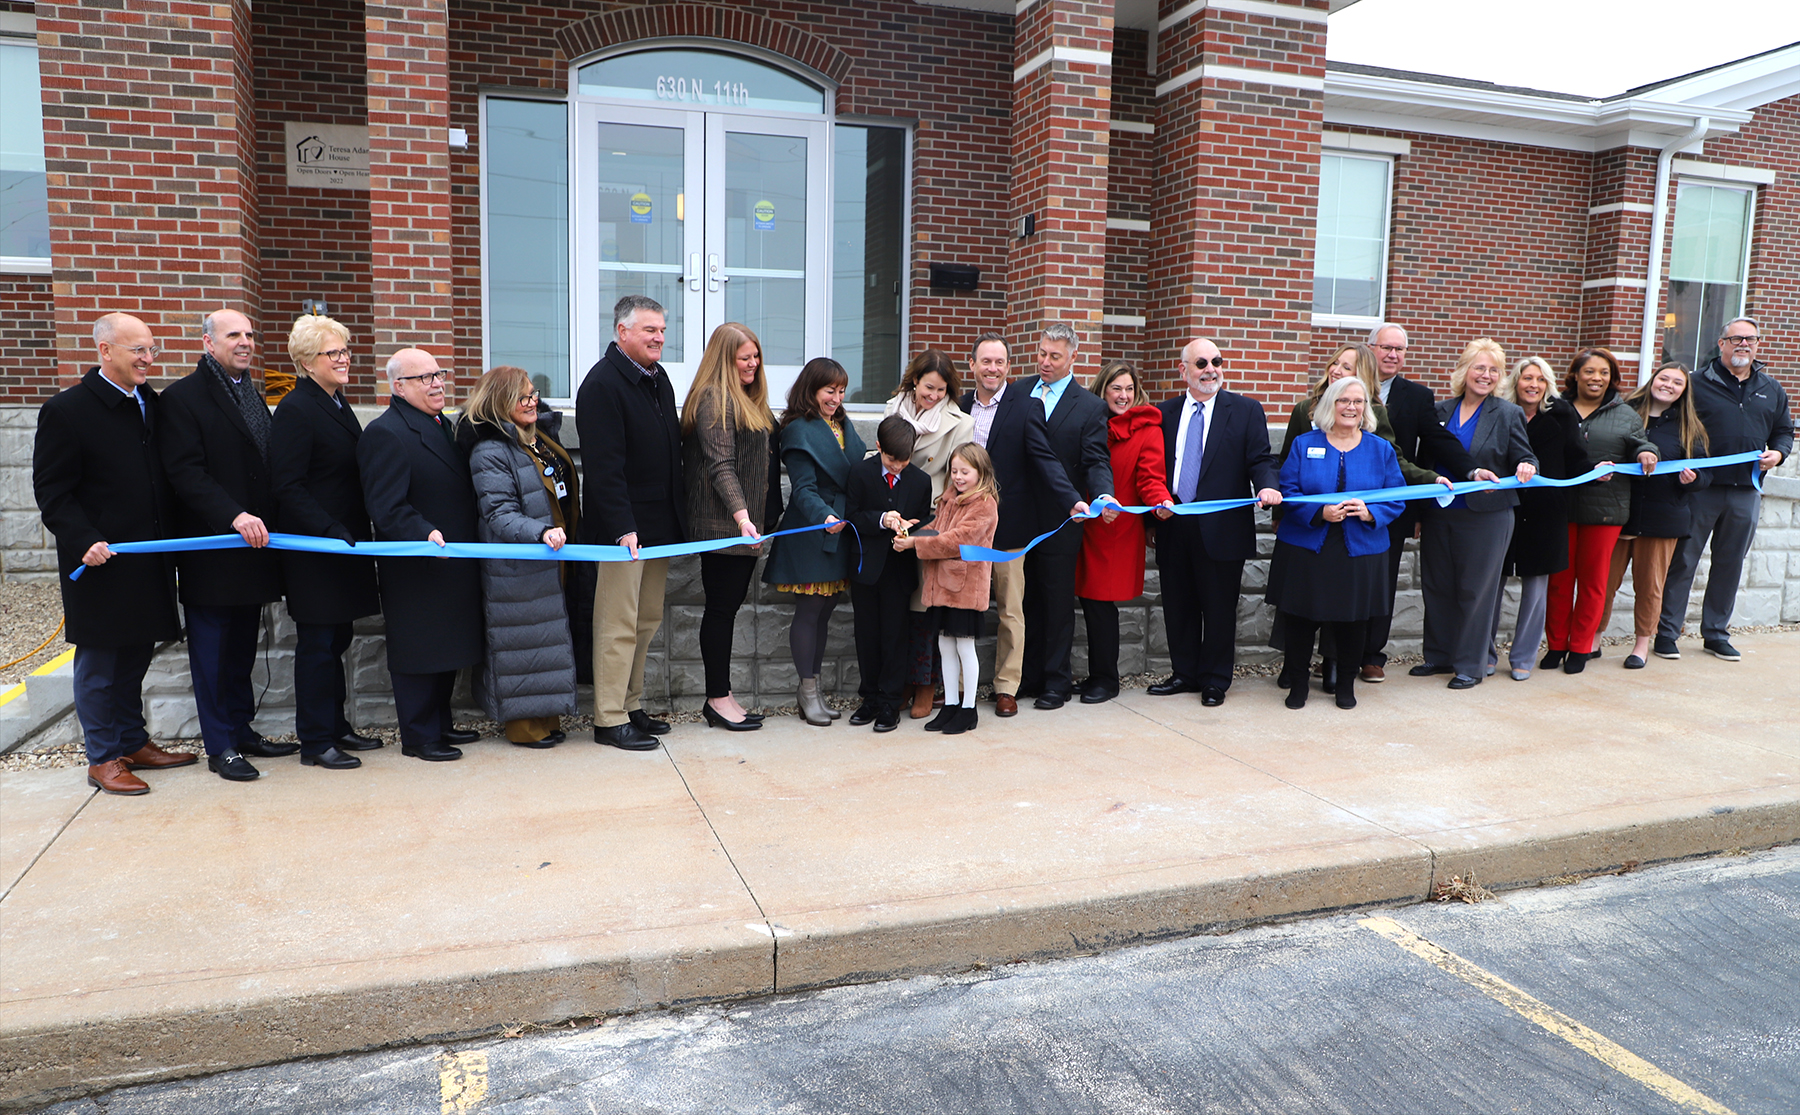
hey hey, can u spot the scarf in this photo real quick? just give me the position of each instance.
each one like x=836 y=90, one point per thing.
x=926 y=423
x=249 y=403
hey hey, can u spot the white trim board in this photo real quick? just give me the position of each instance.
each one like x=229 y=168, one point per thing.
x=1352 y=141
x=1753 y=175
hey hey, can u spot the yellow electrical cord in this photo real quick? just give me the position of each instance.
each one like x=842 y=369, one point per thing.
x=34 y=650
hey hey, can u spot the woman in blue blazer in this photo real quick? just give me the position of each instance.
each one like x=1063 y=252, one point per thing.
x=818 y=446
x=1330 y=564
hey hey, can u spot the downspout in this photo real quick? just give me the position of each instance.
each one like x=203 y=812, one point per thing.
x=1659 y=217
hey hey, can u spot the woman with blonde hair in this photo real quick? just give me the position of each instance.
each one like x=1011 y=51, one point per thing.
x=526 y=491
x=733 y=490
x=1465 y=543
x=926 y=398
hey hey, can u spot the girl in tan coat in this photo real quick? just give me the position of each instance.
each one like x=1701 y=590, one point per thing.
x=956 y=591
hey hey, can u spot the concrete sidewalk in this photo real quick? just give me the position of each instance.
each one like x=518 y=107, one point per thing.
x=210 y=925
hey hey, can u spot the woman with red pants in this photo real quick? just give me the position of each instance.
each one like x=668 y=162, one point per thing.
x=1611 y=431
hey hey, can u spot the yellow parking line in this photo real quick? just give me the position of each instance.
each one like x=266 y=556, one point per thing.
x=1541 y=1014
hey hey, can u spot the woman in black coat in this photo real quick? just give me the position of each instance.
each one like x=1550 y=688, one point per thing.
x=1540 y=541
x=318 y=491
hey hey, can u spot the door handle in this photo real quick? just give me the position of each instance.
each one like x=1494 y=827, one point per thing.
x=713 y=276
x=692 y=278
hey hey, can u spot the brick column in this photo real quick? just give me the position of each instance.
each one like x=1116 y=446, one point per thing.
x=149 y=137
x=1618 y=254
x=1240 y=98
x=409 y=182
x=1062 y=104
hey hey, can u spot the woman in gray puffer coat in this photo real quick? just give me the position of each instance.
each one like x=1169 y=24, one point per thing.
x=1611 y=432
x=526 y=492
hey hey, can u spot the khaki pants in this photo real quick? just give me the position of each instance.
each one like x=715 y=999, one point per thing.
x=1649 y=560
x=1009 y=644
x=628 y=608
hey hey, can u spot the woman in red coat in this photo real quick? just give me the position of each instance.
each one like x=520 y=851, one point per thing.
x=1111 y=568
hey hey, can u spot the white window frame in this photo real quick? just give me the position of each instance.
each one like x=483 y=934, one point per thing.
x=481 y=115
x=1381 y=150
x=23 y=25
x=1746 y=184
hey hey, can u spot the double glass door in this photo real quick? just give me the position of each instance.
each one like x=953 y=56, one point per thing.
x=718 y=216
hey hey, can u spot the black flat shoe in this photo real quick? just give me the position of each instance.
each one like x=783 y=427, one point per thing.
x=1296 y=697
x=461 y=737
x=887 y=721
x=1464 y=681
x=1346 y=700
x=352 y=741
x=1212 y=696
x=1552 y=659
x=1426 y=669
x=646 y=723
x=331 y=759
x=626 y=737
x=1172 y=685
x=544 y=744
x=266 y=749
x=864 y=714
x=1098 y=694
x=1050 y=701
x=431 y=752
x=232 y=767
x=1575 y=663
x=717 y=719
x=942 y=719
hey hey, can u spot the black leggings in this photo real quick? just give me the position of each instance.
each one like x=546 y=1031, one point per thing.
x=1298 y=658
x=725 y=578
x=806 y=639
x=1102 y=618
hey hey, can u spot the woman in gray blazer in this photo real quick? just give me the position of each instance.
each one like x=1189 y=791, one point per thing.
x=1464 y=545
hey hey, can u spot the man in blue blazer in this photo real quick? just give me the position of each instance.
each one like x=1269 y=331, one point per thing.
x=1216 y=445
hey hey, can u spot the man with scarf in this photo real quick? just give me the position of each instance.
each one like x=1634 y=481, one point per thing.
x=215 y=450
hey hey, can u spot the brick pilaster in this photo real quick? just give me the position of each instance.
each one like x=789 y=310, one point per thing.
x=1618 y=253
x=149 y=140
x=409 y=181
x=1061 y=121
x=1236 y=196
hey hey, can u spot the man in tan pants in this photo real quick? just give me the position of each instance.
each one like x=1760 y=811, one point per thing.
x=632 y=495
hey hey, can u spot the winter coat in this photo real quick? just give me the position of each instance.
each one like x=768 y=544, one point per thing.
x=318 y=491
x=1613 y=432
x=98 y=477
x=1540 y=541
x=1738 y=419
x=931 y=451
x=817 y=471
x=728 y=469
x=1111 y=565
x=1312 y=469
x=1659 y=504
x=630 y=454
x=529 y=669
x=1301 y=421
x=951 y=582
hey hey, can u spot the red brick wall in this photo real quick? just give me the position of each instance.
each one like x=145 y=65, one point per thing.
x=27 y=339
x=1487 y=240
x=1131 y=175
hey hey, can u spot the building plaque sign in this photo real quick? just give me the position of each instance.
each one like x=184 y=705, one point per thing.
x=328 y=156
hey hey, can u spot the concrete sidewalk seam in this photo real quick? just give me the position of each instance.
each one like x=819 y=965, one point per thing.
x=774 y=940
x=48 y=844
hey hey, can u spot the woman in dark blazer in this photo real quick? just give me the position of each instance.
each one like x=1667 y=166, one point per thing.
x=727 y=454
x=818 y=446
x=318 y=491
x=1330 y=562
x=1465 y=543
x=1540 y=541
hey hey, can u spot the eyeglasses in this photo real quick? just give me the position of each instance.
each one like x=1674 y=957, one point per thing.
x=1356 y=404
x=145 y=352
x=1217 y=362
x=531 y=398
x=427 y=378
x=1401 y=349
x=337 y=354
x=1735 y=342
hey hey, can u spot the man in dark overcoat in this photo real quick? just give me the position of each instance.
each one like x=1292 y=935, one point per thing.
x=417 y=488
x=215 y=449
x=632 y=495
x=98 y=479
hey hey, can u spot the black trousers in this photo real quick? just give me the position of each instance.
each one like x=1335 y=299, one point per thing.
x=725 y=578
x=1200 y=601
x=1049 y=619
x=1380 y=627
x=1102 y=618
x=883 y=626
x=422 y=703
x=1298 y=654
x=319 y=691
x=221 y=654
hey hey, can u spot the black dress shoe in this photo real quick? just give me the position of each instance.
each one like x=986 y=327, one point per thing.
x=1098 y=693
x=265 y=749
x=1464 y=681
x=886 y=721
x=461 y=737
x=717 y=719
x=331 y=759
x=232 y=767
x=351 y=741
x=1212 y=696
x=544 y=744
x=1172 y=685
x=863 y=715
x=626 y=737
x=1051 y=701
x=646 y=723
x=1426 y=669
x=431 y=752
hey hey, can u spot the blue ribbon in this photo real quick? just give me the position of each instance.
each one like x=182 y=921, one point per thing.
x=1377 y=495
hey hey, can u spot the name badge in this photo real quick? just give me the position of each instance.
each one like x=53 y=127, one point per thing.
x=1315 y=452
x=562 y=490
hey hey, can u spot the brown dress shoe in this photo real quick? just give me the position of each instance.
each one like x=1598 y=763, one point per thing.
x=1374 y=673
x=921 y=703
x=114 y=777
x=152 y=757
x=1005 y=704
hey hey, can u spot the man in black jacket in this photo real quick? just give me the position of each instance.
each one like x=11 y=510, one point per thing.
x=1412 y=409
x=1743 y=409
x=633 y=495
x=98 y=478
x=215 y=449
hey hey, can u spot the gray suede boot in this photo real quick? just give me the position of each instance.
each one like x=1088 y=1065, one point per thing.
x=811 y=706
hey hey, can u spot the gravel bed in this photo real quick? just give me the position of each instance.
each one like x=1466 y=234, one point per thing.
x=28 y=614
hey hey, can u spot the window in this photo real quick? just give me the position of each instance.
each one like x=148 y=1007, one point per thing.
x=1708 y=263
x=1350 y=249
x=525 y=197
x=24 y=210
x=704 y=79
x=868 y=235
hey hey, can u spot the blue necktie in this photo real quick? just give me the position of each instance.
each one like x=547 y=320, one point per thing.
x=1189 y=480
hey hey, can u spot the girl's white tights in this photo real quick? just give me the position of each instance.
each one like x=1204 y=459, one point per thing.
x=962 y=671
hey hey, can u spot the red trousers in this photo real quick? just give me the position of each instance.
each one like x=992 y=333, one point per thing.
x=1578 y=594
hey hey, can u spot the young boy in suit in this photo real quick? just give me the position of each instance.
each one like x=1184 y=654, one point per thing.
x=884 y=494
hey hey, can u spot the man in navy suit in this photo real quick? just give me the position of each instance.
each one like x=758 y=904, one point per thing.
x=1216 y=444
